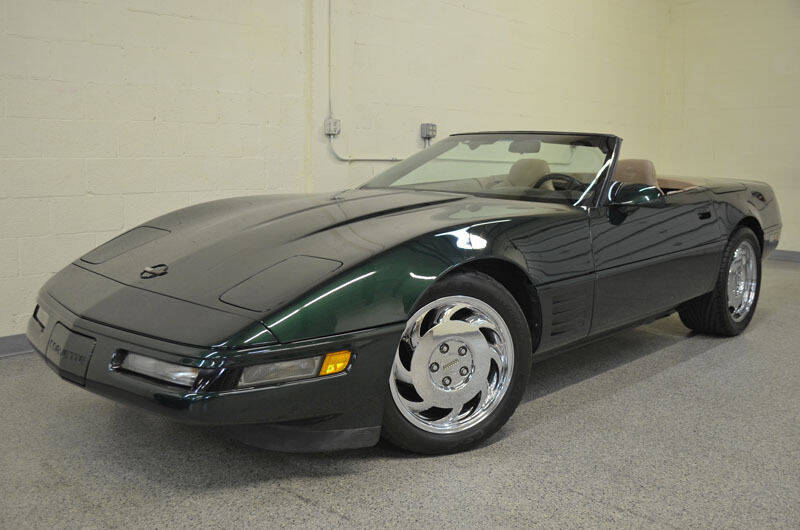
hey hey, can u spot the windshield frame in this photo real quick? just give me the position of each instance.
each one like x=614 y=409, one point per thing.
x=607 y=143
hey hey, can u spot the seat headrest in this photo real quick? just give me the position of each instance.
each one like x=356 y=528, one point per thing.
x=526 y=171
x=636 y=171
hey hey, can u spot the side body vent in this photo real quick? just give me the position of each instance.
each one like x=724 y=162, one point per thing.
x=566 y=311
x=569 y=313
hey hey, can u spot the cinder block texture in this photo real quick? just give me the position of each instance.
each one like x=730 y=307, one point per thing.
x=731 y=96
x=112 y=113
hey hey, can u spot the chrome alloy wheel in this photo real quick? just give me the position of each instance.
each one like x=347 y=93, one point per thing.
x=453 y=365
x=742 y=280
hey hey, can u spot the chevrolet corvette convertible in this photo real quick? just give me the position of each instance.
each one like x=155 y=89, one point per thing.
x=411 y=308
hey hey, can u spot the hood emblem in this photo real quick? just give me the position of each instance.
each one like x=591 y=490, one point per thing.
x=152 y=272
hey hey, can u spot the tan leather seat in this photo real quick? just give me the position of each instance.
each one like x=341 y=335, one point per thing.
x=636 y=171
x=527 y=171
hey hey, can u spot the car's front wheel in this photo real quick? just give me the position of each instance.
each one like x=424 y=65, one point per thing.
x=461 y=366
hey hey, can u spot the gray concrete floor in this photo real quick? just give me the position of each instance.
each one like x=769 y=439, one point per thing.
x=651 y=427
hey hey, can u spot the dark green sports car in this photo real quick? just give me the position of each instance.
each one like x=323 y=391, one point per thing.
x=411 y=308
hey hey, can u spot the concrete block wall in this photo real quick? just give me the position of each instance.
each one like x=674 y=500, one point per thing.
x=731 y=96
x=115 y=111
x=582 y=65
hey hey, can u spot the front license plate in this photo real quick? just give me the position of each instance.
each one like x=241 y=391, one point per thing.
x=70 y=352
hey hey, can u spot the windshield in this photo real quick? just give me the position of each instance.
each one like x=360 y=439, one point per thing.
x=549 y=167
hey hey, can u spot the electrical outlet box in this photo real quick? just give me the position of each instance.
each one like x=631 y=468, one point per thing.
x=333 y=126
x=427 y=131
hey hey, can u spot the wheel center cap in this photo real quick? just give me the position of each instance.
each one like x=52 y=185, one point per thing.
x=451 y=364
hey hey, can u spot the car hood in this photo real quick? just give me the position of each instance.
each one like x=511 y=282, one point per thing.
x=205 y=254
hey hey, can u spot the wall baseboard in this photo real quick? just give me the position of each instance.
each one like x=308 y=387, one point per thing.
x=785 y=255
x=14 y=345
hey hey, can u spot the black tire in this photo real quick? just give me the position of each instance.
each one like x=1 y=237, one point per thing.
x=709 y=313
x=398 y=431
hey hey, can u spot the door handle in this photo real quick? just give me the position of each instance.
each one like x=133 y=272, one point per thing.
x=704 y=215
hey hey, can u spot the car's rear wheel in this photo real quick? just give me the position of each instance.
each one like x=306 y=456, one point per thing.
x=460 y=368
x=728 y=309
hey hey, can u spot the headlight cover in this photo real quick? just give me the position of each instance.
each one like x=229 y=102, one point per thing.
x=136 y=237
x=176 y=374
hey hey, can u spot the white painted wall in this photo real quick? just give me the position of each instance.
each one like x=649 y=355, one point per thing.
x=116 y=111
x=583 y=65
x=732 y=74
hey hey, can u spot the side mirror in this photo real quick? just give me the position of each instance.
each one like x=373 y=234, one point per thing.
x=633 y=194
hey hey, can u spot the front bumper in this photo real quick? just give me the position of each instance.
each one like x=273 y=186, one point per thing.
x=329 y=412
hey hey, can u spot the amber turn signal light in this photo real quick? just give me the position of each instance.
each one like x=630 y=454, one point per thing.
x=335 y=362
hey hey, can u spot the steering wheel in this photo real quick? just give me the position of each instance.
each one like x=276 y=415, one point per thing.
x=572 y=182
